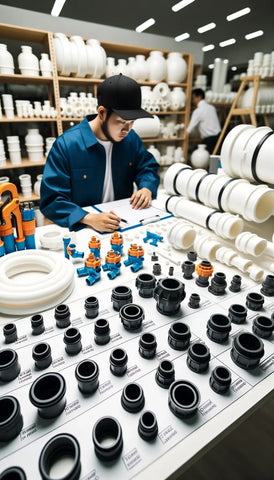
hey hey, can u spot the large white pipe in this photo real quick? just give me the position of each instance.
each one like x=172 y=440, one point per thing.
x=206 y=247
x=250 y=243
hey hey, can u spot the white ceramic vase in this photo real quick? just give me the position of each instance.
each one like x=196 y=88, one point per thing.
x=33 y=138
x=177 y=98
x=45 y=65
x=6 y=60
x=122 y=66
x=157 y=68
x=111 y=68
x=140 y=69
x=99 y=56
x=200 y=157
x=176 y=68
x=28 y=62
x=131 y=61
x=155 y=152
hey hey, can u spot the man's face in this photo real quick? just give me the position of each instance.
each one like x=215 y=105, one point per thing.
x=116 y=128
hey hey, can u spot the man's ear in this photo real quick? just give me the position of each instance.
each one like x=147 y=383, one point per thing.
x=101 y=112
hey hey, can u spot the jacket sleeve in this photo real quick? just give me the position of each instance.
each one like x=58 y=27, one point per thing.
x=146 y=169
x=56 y=202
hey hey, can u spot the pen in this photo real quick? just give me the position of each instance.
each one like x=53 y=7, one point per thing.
x=147 y=220
x=123 y=220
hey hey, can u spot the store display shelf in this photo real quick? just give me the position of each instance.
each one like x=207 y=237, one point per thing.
x=31 y=198
x=96 y=81
x=25 y=79
x=24 y=164
x=169 y=112
x=25 y=34
x=4 y=119
x=177 y=139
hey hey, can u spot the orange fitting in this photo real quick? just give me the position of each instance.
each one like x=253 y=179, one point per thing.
x=70 y=250
x=204 y=271
x=113 y=257
x=91 y=262
x=136 y=251
x=1 y=243
x=116 y=239
x=29 y=227
x=6 y=229
x=94 y=242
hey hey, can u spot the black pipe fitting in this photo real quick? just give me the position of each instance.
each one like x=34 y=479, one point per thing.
x=47 y=393
x=183 y=398
x=62 y=316
x=268 y=286
x=147 y=345
x=87 y=376
x=9 y=365
x=118 y=362
x=107 y=427
x=237 y=313
x=101 y=331
x=198 y=357
x=194 y=300
x=121 y=296
x=13 y=473
x=132 y=316
x=72 y=340
x=156 y=269
x=37 y=324
x=192 y=256
x=247 y=350
x=91 y=307
x=203 y=280
x=148 y=426
x=179 y=336
x=235 y=285
x=10 y=332
x=220 y=379
x=169 y=293
x=218 y=328
x=263 y=326
x=188 y=268
x=218 y=284
x=145 y=284
x=154 y=257
x=41 y=354
x=254 y=301
x=11 y=420
x=132 y=398
x=59 y=446
x=165 y=374
x=171 y=271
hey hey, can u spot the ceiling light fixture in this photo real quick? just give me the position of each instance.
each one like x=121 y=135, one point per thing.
x=145 y=25
x=225 y=43
x=206 y=48
x=181 y=37
x=234 y=69
x=211 y=66
x=179 y=5
x=249 y=36
x=238 y=14
x=207 y=27
x=57 y=7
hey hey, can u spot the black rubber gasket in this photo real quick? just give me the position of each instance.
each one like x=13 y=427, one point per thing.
x=255 y=156
x=198 y=186
x=222 y=191
x=176 y=176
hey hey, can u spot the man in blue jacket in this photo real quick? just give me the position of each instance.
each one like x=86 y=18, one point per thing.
x=99 y=160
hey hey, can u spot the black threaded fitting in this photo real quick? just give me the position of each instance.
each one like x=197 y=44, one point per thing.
x=87 y=376
x=194 y=300
x=235 y=285
x=263 y=326
x=268 y=286
x=147 y=345
x=107 y=427
x=37 y=324
x=220 y=379
x=145 y=284
x=91 y=307
x=247 y=350
x=62 y=316
x=47 y=393
x=169 y=293
x=254 y=301
x=183 y=398
x=192 y=256
x=157 y=269
x=121 y=296
x=218 y=284
x=154 y=257
x=101 y=331
x=218 y=328
x=179 y=336
x=237 y=313
x=9 y=365
x=72 y=339
x=58 y=447
x=132 y=316
x=188 y=268
x=10 y=332
x=148 y=426
x=132 y=398
x=41 y=354
x=201 y=280
x=198 y=357
x=11 y=420
x=118 y=362
x=165 y=374
x=171 y=271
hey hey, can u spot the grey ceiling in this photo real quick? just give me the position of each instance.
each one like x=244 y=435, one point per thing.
x=130 y=13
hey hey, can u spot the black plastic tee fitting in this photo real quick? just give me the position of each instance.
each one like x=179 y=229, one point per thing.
x=148 y=426
x=188 y=268
x=237 y=313
x=101 y=331
x=165 y=374
x=254 y=301
x=218 y=328
x=72 y=340
x=10 y=332
x=183 y=398
x=132 y=316
x=218 y=284
x=145 y=284
x=220 y=379
x=268 y=286
x=198 y=357
x=11 y=420
x=87 y=376
x=263 y=326
x=91 y=307
x=169 y=293
x=147 y=345
x=179 y=336
x=62 y=316
x=37 y=324
x=247 y=350
x=41 y=354
x=120 y=296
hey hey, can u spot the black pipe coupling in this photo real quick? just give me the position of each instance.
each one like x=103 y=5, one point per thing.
x=247 y=350
x=145 y=284
x=147 y=345
x=254 y=301
x=218 y=328
x=220 y=379
x=91 y=307
x=132 y=316
x=47 y=393
x=58 y=447
x=118 y=362
x=10 y=332
x=263 y=326
x=87 y=376
x=72 y=340
x=188 y=268
x=132 y=398
x=107 y=427
x=235 y=285
x=268 y=286
x=101 y=331
x=148 y=426
x=9 y=365
x=169 y=293
x=192 y=256
x=121 y=296
x=165 y=374
x=156 y=269
x=37 y=324
x=62 y=316
x=179 y=336
x=41 y=354
x=194 y=300
x=218 y=284
x=183 y=398
x=198 y=357
x=237 y=313
x=11 y=420
x=13 y=473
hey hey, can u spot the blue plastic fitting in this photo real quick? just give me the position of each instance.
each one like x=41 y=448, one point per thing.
x=154 y=237
x=66 y=242
x=21 y=245
x=136 y=263
x=114 y=269
x=27 y=216
x=96 y=252
x=2 y=250
x=93 y=277
x=74 y=252
x=118 y=248
x=9 y=243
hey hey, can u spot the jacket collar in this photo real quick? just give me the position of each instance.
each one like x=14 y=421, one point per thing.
x=88 y=136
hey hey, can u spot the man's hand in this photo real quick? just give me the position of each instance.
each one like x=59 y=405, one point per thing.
x=102 y=222
x=141 y=199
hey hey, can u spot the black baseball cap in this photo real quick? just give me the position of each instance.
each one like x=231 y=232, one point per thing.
x=122 y=95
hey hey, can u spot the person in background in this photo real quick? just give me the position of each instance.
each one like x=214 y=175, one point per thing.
x=99 y=161
x=205 y=118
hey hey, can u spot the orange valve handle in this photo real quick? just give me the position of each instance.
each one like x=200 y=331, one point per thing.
x=12 y=207
x=136 y=251
x=113 y=257
x=94 y=242
x=91 y=262
x=204 y=270
x=116 y=239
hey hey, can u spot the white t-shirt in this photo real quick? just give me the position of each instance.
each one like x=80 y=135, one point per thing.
x=108 y=190
x=206 y=119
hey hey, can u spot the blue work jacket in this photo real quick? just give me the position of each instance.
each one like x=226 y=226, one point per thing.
x=74 y=173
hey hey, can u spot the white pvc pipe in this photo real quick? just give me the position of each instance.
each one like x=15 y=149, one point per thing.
x=181 y=235
x=250 y=243
x=269 y=249
x=241 y=263
x=206 y=247
x=256 y=273
x=225 y=255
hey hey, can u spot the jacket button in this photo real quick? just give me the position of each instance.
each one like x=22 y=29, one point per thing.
x=84 y=176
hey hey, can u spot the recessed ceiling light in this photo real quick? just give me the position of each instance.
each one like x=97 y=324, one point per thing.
x=238 y=14
x=179 y=5
x=211 y=66
x=145 y=25
x=181 y=37
x=234 y=69
x=207 y=27
x=57 y=7
x=225 y=43
x=206 y=48
x=249 y=36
